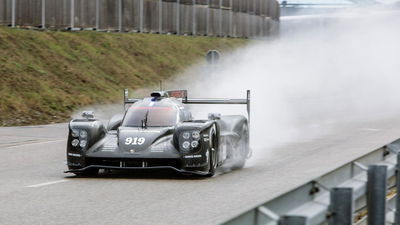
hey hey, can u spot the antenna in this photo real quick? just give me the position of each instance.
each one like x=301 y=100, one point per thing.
x=160 y=85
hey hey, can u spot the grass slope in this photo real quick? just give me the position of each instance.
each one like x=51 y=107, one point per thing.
x=44 y=76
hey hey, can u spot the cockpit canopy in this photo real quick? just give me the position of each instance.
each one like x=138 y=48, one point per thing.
x=151 y=115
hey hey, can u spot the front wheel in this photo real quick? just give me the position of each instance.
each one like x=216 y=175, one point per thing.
x=212 y=153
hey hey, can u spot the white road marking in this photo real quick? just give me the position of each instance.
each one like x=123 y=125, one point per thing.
x=370 y=129
x=47 y=183
x=31 y=143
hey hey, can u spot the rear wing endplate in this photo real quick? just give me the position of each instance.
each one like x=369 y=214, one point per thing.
x=127 y=100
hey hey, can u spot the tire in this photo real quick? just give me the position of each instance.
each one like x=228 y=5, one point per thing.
x=242 y=148
x=212 y=152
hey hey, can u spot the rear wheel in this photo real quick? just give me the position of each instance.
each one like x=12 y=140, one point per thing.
x=242 y=148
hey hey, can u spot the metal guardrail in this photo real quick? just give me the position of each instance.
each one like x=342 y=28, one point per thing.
x=230 y=18
x=361 y=192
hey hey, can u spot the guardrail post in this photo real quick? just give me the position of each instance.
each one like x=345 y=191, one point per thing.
x=248 y=27
x=13 y=13
x=220 y=18
x=208 y=18
x=262 y=20
x=376 y=194
x=72 y=14
x=397 y=213
x=178 y=16
x=341 y=206
x=254 y=19
x=141 y=16
x=160 y=14
x=97 y=14
x=231 y=18
x=43 y=14
x=119 y=15
x=292 y=220
x=194 y=22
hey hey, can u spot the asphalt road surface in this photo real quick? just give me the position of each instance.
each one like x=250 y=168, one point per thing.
x=34 y=189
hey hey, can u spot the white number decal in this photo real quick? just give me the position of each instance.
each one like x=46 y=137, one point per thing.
x=134 y=141
x=128 y=141
x=141 y=141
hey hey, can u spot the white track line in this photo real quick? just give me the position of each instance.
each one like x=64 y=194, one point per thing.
x=371 y=129
x=47 y=183
x=32 y=143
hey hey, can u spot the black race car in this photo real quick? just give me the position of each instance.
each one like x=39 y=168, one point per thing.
x=159 y=132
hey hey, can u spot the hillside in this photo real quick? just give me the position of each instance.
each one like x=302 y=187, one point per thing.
x=45 y=75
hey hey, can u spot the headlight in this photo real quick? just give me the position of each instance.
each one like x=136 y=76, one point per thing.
x=83 y=134
x=195 y=134
x=75 y=142
x=75 y=133
x=194 y=144
x=186 y=135
x=83 y=143
x=186 y=145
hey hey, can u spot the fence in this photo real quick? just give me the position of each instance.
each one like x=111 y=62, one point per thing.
x=234 y=18
x=361 y=192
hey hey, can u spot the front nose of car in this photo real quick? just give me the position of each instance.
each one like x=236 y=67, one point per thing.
x=135 y=140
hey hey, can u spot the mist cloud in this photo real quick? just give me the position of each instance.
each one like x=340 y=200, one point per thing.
x=339 y=70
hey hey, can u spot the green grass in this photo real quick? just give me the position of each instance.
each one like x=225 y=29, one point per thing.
x=44 y=76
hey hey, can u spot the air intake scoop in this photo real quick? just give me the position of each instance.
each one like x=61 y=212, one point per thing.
x=159 y=94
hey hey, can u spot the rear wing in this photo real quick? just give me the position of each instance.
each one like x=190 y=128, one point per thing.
x=226 y=101
x=182 y=95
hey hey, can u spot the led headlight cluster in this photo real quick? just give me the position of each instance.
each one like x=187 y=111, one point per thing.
x=190 y=139
x=75 y=133
x=186 y=144
x=80 y=138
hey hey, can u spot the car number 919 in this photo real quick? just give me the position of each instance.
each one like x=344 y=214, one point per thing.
x=134 y=141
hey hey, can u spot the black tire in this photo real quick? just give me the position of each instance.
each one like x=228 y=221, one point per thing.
x=212 y=152
x=242 y=148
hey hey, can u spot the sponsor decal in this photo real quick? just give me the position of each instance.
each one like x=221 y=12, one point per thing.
x=178 y=93
x=74 y=155
x=156 y=150
x=192 y=156
x=108 y=149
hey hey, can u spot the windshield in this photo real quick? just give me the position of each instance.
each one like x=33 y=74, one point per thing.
x=156 y=116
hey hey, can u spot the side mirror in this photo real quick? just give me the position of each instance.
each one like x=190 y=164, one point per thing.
x=214 y=116
x=115 y=122
x=89 y=115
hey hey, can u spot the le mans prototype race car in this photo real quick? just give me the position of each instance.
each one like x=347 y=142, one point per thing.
x=159 y=132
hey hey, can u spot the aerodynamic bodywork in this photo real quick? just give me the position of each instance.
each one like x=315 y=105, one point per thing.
x=159 y=132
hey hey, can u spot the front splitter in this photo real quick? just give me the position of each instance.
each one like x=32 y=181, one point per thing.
x=201 y=173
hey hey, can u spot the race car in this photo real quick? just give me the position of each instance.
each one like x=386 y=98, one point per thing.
x=159 y=132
